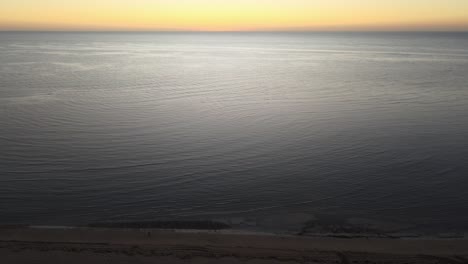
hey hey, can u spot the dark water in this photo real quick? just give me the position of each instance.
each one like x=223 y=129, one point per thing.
x=143 y=126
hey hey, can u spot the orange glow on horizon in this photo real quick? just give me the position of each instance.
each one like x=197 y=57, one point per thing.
x=225 y=15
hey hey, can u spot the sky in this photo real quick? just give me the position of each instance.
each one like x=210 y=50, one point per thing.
x=234 y=15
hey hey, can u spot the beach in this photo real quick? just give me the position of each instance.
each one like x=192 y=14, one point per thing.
x=98 y=245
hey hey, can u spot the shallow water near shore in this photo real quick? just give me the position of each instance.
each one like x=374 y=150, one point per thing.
x=259 y=130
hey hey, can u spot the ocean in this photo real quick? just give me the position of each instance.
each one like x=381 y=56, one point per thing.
x=264 y=131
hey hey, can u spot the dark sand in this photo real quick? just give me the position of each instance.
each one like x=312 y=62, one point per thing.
x=25 y=245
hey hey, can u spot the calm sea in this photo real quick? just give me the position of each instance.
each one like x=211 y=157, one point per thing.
x=261 y=129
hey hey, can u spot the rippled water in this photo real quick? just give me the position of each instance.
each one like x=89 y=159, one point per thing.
x=140 y=126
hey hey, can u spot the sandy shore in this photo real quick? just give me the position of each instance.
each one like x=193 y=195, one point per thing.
x=26 y=245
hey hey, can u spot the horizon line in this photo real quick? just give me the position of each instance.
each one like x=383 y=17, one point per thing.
x=232 y=31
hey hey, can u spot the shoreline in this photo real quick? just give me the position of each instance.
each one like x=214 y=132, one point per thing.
x=219 y=227
x=19 y=245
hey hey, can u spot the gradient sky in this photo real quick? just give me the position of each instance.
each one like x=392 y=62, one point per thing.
x=225 y=15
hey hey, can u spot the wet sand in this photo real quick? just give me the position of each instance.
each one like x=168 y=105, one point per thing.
x=26 y=245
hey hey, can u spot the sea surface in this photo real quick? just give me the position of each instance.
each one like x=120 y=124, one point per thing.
x=258 y=129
